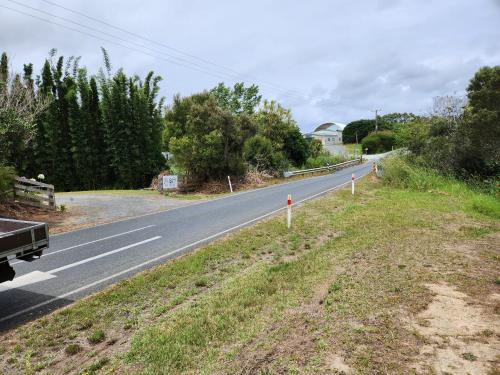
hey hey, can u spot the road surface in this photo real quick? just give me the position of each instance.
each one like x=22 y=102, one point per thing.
x=82 y=262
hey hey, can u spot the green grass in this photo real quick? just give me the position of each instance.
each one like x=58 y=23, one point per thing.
x=351 y=147
x=270 y=300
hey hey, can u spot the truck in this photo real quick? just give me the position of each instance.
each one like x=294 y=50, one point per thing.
x=23 y=240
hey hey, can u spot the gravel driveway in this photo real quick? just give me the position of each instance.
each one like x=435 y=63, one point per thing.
x=87 y=209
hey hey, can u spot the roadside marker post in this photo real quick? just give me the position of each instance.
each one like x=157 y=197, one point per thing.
x=352 y=183
x=230 y=185
x=289 y=212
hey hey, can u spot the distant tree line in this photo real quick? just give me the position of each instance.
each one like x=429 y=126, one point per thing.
x=86 y=131
x=460 y=136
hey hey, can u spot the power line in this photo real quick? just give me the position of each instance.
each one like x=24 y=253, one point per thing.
x=199 y=69
x=219 y=70
x=166 y=46
x=104 y=33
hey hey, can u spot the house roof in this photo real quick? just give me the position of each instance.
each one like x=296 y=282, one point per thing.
x=334 y=126
x=327 y=133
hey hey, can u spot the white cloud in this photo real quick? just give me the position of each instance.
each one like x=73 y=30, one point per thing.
x=344 y=58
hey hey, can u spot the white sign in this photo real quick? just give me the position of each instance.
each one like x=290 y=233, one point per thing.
x=169 y=182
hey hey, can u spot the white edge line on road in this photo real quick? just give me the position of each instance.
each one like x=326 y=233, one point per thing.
x=97 y=282
x=229 y=195
x=90 y=242
x=83 y=261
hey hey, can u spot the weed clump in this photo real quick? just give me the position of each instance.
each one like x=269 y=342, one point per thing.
x=73 y=349
x=96 y=337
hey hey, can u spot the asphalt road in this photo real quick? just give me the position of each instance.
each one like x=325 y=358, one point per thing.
x=82 y=262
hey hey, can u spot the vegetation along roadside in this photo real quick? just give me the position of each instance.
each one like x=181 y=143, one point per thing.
x=363 y=284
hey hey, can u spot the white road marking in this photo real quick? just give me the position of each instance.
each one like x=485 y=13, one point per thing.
x=71 y=265
x=97 y=282
x=208 y=201
x=91 y=242
x=24 y=280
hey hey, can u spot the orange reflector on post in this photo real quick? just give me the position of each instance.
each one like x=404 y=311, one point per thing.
x=289 y=200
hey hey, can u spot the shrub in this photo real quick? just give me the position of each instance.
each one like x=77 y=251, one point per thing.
x=258 y=151
x=399 y=172
x=324 y=159
x=7 y=175
x=72 y=349
x=96 y=337
x=361 y=127
x=378 y=142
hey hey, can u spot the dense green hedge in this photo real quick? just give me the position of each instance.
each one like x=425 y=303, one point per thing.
x=381 y=141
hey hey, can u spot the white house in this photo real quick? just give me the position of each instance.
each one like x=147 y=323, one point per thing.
x=329 y=133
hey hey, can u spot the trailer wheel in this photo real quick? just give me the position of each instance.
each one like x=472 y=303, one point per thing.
x=7 y=273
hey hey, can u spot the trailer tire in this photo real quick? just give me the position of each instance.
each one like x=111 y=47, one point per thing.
x=7 y=273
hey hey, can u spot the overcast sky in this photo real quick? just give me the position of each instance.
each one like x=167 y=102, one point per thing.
x=338 y=60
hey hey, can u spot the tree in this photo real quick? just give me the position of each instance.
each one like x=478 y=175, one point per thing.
x=237 y=100
x=274 y=122
x=296 y=147
x=380 y=141
x=19 y=108
x=259 y=153
x=206 y=140
x=478 y=135
x=450 y=107
x=360 y=127
x=315 y=147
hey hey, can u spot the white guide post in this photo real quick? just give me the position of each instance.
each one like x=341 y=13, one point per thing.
x=289 y=212
x=230 y=185
x=352 y=183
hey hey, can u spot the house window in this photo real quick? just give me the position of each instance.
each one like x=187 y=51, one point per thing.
x=328 y=139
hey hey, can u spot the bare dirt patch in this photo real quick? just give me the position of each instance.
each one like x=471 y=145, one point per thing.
x=462 y=337
x=17 y=211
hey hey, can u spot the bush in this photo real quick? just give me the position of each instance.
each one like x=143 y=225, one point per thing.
x=398 y=172
x=96 y=337
x=402 y=172
x=381 y=141
x=324 y=159
x=258 y=151
x=7 y=175
x=361 y=127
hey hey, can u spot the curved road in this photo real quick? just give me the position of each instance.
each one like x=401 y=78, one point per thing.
x=81 y=262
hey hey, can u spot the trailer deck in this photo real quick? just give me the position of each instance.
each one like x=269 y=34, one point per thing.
x=24 y=240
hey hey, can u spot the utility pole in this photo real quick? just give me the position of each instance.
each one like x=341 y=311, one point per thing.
x=376 y=118
x=356 y=149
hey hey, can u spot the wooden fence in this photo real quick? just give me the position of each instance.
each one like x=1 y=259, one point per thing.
x=34 y=193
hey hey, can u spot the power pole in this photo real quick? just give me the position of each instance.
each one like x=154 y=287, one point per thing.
x=376 y=118
x=356 y=149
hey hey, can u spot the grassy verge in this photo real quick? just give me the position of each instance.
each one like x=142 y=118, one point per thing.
x=334 y=294
x=352 y=147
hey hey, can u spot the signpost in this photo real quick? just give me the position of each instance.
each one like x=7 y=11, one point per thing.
x=169 y=182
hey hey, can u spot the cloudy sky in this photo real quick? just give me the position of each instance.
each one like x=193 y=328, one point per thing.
x=327 y=60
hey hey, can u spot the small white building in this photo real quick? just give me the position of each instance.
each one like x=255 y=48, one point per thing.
x=329 y=133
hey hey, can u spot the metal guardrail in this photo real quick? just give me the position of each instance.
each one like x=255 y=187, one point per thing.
x=323 y=169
